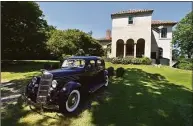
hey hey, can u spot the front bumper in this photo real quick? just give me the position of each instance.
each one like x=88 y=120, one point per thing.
x=28 y=101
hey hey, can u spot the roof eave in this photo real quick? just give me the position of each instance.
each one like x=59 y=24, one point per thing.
x=121 y=14
x=165 y=24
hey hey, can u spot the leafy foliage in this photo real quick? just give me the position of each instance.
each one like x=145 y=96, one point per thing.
x=117 y=60
x=175 y=54
x=131 y=60
x=80 y=52
x=70 y=41
x=183 y=35
x=24 y=31
x=90 y=33
x=63 y=57
x=146 y=61
x=186 y=64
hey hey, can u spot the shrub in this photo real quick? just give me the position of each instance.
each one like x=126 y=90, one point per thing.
x=110 y=71
x=129 y=58
x=132 y=60
x=136 y=61
x=116 y=60
x=185 y=64
x=146 y=61
x=124 y=61
x=120 y=72
x=47 y=66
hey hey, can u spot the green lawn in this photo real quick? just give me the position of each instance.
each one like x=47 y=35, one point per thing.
x=146 y=96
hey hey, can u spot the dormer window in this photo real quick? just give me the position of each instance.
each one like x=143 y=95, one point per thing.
x=164 y=33
x=130 y=20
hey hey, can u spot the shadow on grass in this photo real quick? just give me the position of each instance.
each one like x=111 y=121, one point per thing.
x=12 y=114
x=14 y=86
x=138 y=99
x=143 y=99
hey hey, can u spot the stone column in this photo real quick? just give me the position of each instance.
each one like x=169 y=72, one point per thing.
x=135 y=50
x=124 y=54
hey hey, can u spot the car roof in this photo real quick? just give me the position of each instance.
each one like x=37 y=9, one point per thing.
x=85 y=57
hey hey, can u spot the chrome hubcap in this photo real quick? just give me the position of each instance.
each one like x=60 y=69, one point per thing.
x=72 y=100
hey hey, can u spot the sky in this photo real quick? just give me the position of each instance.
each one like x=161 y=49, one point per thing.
x=96 y=16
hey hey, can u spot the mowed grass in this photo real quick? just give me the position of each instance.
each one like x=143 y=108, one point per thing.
x=145 y=96
x=22 y=69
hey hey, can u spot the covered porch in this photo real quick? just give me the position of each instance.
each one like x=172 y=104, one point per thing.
x=130 y=48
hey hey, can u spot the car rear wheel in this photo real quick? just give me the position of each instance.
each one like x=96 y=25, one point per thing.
x=106 y=80
x=73 y=101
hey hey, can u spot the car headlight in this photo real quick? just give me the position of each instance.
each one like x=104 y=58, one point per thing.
x=54 y=83
x=64 y=89
x=34 y=79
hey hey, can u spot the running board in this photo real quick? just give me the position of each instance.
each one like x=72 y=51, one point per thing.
x=96 y=88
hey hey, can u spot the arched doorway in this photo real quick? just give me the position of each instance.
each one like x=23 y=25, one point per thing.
x=130 y=47
x=120 y=48
x=160 y=53
x=140 y=47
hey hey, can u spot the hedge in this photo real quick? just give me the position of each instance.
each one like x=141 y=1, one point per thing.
x=131 y=60
x=186 y=64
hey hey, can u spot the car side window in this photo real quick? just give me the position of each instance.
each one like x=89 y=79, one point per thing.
x=91 y=65
x=99 y=64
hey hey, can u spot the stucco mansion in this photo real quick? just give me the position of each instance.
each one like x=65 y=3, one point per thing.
x=134 y=33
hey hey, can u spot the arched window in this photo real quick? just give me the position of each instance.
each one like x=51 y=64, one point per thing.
x=140 y=47
x=120 y=48
x=130 y=47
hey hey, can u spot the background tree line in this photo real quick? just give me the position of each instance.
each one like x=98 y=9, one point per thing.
x=183 y=42
x=27 y=35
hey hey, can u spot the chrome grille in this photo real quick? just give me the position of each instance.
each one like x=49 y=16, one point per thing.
x=44 y=86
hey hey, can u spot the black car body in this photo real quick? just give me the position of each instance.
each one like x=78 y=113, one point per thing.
x=64 y=87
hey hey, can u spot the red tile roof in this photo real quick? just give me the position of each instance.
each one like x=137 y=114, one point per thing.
x=133 y=11
x=159 y=22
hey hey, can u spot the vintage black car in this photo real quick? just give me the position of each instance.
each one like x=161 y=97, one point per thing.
x=65 y=87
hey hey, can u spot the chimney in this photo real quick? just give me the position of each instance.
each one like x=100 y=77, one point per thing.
x=108 y=34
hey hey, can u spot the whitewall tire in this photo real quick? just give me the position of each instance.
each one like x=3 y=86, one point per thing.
x=107 y=80
x=73 y=101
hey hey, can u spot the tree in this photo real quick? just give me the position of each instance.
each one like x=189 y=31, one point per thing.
x=71 y=41
x=90 y=33
x=80 y=52
x=175 y=54
x=182 y=36
x=24 y=31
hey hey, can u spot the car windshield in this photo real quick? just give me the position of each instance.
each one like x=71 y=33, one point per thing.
x=79 y=63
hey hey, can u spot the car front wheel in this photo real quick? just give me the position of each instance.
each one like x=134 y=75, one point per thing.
x=73 y=101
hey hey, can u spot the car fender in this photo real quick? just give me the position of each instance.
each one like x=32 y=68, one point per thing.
x=68 y=87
